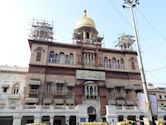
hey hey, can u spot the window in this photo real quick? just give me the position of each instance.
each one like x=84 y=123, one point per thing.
x=91 y=90
x=61 y=58
x=114 y=62
x=132 y=65
x=51 y=57
x=122 y=63
x=15 y=88
x=39 y=51
x=38 y=56
x=67 y=61
x=87 y=35
x=59 y=88
x=105 y=62
x=48 y=86
x=160 y=96
x=71 y=58
x=118 y=64
x=34 y=86
x=5 y=89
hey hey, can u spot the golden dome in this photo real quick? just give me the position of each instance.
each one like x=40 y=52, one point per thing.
x=85 y=21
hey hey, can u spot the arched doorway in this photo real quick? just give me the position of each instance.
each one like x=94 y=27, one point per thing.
x=91 y=114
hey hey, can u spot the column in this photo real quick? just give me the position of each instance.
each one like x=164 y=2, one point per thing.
x=85 y=94
x=88 y=88
x=137 y=117
x=17 y=120
x=97 y=91
x=67 y=120
x=51 y=120
x=37 y=119
x=84 y=60
x=93 y=88
x=125 y=117
x=93 y=60
x=88 y=61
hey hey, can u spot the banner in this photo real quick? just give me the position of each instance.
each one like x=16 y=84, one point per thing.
x=142 y=104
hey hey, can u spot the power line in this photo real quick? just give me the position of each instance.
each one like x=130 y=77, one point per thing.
x=155 y=29
x=157 y=69
x=119 y=12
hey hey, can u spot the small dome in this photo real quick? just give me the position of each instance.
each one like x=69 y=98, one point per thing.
x=85 y=21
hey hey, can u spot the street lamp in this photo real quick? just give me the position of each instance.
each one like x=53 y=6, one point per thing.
x=131 y=4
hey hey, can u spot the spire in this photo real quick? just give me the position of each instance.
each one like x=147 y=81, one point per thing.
x=85 y=13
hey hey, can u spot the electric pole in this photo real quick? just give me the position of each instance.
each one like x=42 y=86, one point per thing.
x=131 y=4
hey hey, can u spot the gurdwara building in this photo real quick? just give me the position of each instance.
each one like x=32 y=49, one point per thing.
x=67 y=84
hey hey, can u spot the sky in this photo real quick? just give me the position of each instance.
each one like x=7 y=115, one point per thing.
x=111 y=20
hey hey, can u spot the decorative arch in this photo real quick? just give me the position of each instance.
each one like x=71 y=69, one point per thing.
x=39 y=51
x=61 y=58
x=122 y=63
x=91 y=111
x=132 y=61
x=51 y=57
x=71 y=58
x=105 y=62
x=114 y=62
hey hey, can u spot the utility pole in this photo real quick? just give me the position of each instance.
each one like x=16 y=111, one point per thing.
x=131 y=4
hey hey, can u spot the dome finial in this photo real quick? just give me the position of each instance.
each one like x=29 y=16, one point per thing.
x=85 y=11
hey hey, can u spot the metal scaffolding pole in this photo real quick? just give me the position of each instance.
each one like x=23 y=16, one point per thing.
x=131 y=4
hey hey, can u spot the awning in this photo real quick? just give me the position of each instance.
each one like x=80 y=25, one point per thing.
x=47 y=101
x=70 y=83
x=129 y=87
x=108 y=85
x=70 y=101
x=112 y=102
x=31 y=100
x=121 y=102
x=34 y=82
x=59 y=101
x=5 y=85
x=60 y=81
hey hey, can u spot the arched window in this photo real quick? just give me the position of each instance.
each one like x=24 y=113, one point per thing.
x=15 y=88
x=61 y=58
x=51 y=57
x=91 y=90
x=87 y=35
x=109 y=63
x=56 y=58
x=113 y=62
x=67 y=60
x=105 y=62
x=71 y=58
x=118 y=64
x=132 y=63
x=38 y=56
x=39 y=51
x=122 y=63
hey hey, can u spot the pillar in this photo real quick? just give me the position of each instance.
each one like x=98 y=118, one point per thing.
x=17 y=120
x=51 y=120
x=37 y=119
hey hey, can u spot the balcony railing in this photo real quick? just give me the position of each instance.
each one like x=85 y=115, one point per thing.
x=33 y=91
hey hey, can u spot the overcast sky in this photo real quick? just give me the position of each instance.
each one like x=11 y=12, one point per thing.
x=110 y=18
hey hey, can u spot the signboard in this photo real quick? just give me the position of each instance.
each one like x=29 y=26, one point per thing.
x=90 y=75
x=142 y=104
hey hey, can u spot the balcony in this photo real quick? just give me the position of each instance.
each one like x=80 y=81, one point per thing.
x=14 y=96
x=33 y=91
x=31 y=100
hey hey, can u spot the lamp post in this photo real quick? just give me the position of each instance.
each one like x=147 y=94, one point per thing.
x=131 y=4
